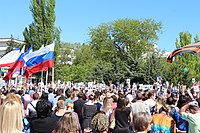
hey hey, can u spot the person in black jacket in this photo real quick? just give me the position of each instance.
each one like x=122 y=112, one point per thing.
x=43 y=123
x=78 y=104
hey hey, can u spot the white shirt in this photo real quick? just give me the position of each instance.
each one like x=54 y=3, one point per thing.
x=139 y=106
x=30 y=107
x=150 y=103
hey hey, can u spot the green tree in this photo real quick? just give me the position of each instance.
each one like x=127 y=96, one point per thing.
x=196 y=38
x=197 y=63
x=42 y=30
x=82 y=62
x=153 y=65
x=65 y=56
x=123 y=44
x=184 y=60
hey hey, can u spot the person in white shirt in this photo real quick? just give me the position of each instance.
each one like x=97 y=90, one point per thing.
x=151 y=101
x=139 y=105
x=31 y=108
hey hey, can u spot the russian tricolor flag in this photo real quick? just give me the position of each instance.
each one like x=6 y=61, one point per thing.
x=40 y=60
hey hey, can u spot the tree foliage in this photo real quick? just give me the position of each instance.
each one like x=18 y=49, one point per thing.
x=176 y=73
x=82 y=62
x=122 y=44
x=124 y=49
x=153 y=65
x=42 y=30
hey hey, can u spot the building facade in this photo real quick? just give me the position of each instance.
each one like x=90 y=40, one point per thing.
x=4 y=44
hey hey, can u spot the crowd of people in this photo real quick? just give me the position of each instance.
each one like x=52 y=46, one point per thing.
x=111 y=110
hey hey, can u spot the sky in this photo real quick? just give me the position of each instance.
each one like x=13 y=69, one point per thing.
x=75 y=17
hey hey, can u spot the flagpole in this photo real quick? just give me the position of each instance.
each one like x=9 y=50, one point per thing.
x=53 y=76
x=47 y=76
x=42 y=77
x=21 y=74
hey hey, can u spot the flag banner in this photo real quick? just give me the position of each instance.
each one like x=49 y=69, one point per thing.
x=10 y=58
x=40 y=60
x=191 y=48
x=41 y=51
x=18 y=65
x=41 y=67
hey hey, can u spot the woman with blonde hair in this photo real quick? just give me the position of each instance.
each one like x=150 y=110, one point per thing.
x=70 y=107
x=68 y=124
x=160 y=103
x=60 y=110
x=107 y=106
x=14 y=97
x=11 y=117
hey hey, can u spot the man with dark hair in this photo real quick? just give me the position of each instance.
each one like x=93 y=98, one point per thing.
x=70 y=96
x=51 y=95
x=43 y=123
x=78 y=104
x=68 y=93
x=193 y=117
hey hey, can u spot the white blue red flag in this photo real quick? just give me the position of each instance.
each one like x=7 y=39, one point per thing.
x=40 y=60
